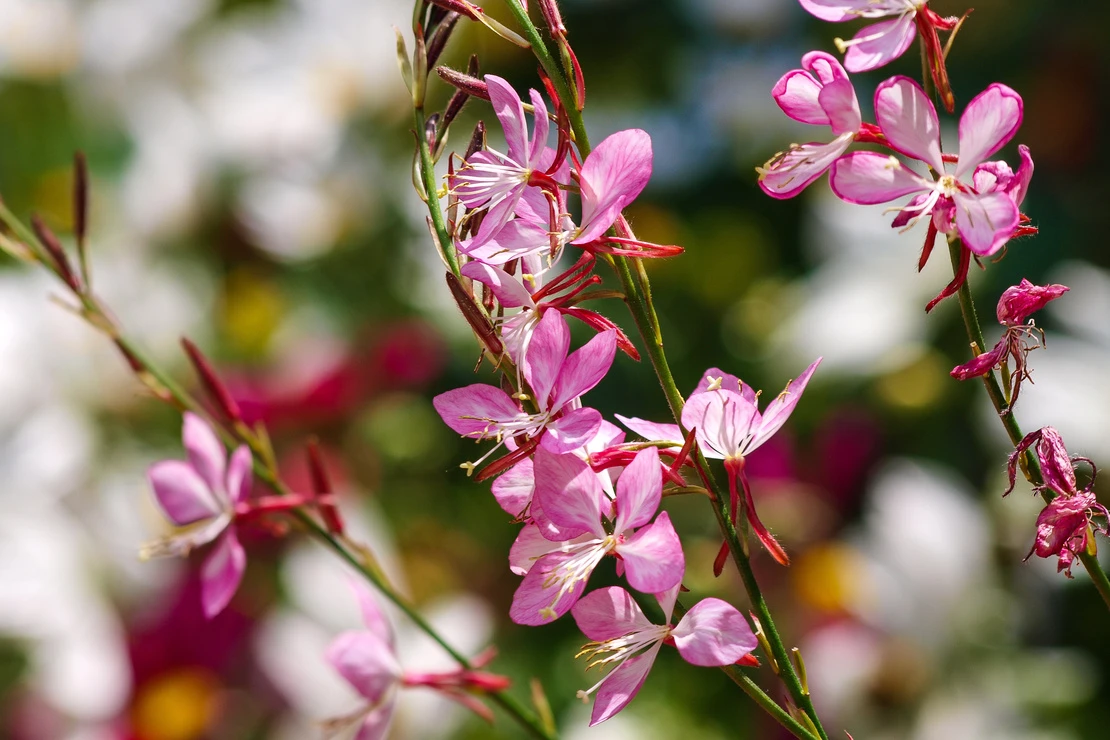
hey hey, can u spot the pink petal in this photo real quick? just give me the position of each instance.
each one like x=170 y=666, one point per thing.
x=366 y=662
x=540 y=126
x=608 y=613
x=571 y=431
x=838 y=99
x=513 y=488
x=779 y=410
x=570 y=493
x=653 y=431
x=611 y=178
x=887 y=40
x=585 y=367
x=510 y=112
x=221 y=573
x=1019 y=301
x=528 y=547
x=476 y=411
x=833 y=11
x=622 y=685
x=989 y=121
x=796 y=93
x=786 y=175
x=982 y=363
x=376 y=724
x=515 y=239
x=509 y=291
x=545 y=354
x=723 y=421
x=239 y=475
x=1056 y=464
x=181 y=493
x=985 y=222
x=205 y=450
x=639 y=491
x=372 y=616
x=713 y=633
x=867 y=178
x=824 y=67
x=1019 y=186
x=532 y=601
x=728 y=382
x=909 y=120
x=653 y=557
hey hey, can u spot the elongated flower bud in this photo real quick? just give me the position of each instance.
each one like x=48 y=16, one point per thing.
x=215 y=387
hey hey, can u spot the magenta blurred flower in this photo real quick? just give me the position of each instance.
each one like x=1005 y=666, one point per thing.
x=588 y=525
x=819 y=94
x=729 y=426
x=712 y=633
x=556 y=379
x=202 y=496
x=367 y=660
x=984 y=220
x=1018 y=338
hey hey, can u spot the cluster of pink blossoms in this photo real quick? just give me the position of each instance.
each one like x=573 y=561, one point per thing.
x=581 y=492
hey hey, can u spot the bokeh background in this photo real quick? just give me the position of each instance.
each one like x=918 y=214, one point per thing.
x=250 y=162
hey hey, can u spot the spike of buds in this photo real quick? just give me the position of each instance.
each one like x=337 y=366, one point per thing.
x=57 y=254
x=215 y=387
x=321 y=487
x=478 y=321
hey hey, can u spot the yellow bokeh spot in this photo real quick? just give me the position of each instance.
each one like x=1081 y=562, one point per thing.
x=916 y=385
x=252 y=310
x=176 y=706
x=828 y=577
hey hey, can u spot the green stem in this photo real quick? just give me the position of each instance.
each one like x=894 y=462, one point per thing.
x=428 y=178
x=1005 y=414
x=637 y=291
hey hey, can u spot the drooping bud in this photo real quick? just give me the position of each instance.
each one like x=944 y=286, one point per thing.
x=1056 y=466
x=215 y=387
x=1021 y=300
x=464 y=82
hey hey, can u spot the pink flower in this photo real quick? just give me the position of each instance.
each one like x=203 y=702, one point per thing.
x=819 y=94
x=1018 y=339
x=712 y=633
x=1064 y=527
x=729 y=426
x=556 y=380
x=367 y=660
x=885 y=41
x=984 y=220
x=583 y=516
x=202 y=495
x=1057 y=467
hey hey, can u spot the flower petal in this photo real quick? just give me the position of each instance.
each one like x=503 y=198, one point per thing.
x=239 y=475
x=1019 y=301
x=366 y=662
x=622 y=685
x=989 y=121
x=529 y=546
x=982 y=363
x=779 y=410
x=372 y=615
x=509 y=291
x=867 y=178
x=476 y=411
x=513 y=488
x=796 y=93
x=221 y=573
x=639 y=491
x=653 y=558
x=611 y=178
x=838 y=99
x=206 y=452
x=713 y=633
x=584 y=368
x=376 y=723
x=909 y=120
x=517 y=238
x=787 y=174
x=608 y=613
x=181 y=493
x=653 y=431
x=535 y=603
x=540 y=125
x=571 y=431
x=723 y=420
x=570 y=493
x=545 y=354
x=510 y=112
x=985 y=222
x=880 y=43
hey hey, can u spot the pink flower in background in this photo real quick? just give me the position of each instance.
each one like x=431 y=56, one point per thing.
x=574 y=501
x=556 y=379
x=1018 y=339
x=819 y=94
x=712 y=633
x=202 y=496
x=367 y=660
x=729 y=426
x=984 y=220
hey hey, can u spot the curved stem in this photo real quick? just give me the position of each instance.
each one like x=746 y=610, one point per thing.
x=428 y=179
x=1005 y=414
x=634 y=282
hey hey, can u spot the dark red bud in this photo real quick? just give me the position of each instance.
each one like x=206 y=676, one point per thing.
x=215 y=387
x=57 y=254
x=80 y=198
x=440 y=35
x=321 y=487
x=468 y=84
